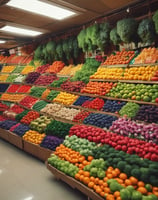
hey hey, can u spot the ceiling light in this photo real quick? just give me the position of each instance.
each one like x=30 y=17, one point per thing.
x=20 y=31
x=42 y=8
x=2 y=41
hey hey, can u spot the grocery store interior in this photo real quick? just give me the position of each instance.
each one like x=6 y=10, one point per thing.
x=79 y=99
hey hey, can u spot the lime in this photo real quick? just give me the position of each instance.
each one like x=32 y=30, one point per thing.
x=146 y=98
x=138 y=98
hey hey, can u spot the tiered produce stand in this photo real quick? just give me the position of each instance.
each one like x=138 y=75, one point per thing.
x=46 y=113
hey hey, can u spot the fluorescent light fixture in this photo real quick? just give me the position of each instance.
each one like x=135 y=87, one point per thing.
x=42 y=8
x=2 y=41
x=20 y=31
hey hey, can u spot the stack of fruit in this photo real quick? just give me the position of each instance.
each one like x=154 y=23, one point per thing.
x=66 y=113
x=65 y=98
x=99 y=88
x=74 y=86
x=33 y=137
x=121 y=57
x=108 y=73
x=40 y=123
x=8 y=69
x=148 y=55
x=139 y=92
x=28 y=69
x=28 y=101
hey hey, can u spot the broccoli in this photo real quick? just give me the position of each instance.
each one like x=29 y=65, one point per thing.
x=136 y=173
x=146 y=31
x=82 y=40
x=65 y=46
x=114 y=37
x=127 y=29
x=155 y=19
x=76 y=49
x=59 y=50
x=103 y=35
x=38 y=52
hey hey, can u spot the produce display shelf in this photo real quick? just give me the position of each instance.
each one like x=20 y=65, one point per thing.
x=135 y=81
x=114 y=66
x=5 y=82
x=103 y=80
x=95 y=111
x=63 y=76
x=18 y=64
x=142 y=64
x=130 y=100
x=117 y=99
x=73 y=183
x=125 y=81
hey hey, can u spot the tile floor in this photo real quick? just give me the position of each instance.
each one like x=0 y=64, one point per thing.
x=23 y=177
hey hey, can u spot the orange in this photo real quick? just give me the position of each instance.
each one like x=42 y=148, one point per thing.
x=86 y=180
x=110 y=197
x=117 y=171
x=117 y=194
x=142 y=190
x=86 y=174
x=123 y=176
x=141 y=184
x=100 y=182
x=81 y=177
x=92 y=178
x=98 y=190
x=102 y=194
x=133 y=180
x=90 y=158
x=128 y=182
x=119 y=180
x=107 y=190
x=109 y=176
x=114 y=174
x=96 y=180
x=105 y=179
x=80 y=171
x=77 y=176
x=91 y=184
x=118 y=198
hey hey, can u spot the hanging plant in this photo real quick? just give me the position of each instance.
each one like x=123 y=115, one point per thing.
x=38 y=52
x=127 y=29
x=155 y=19
x=76 y=49
x=66 y=50
x=146 y=31
x=103 y=35
x=114 y=37
x=81 y=38
x=59 y=50
x=50 y=47
x=88 y=39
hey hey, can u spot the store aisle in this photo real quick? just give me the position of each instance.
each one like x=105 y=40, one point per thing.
x=23 y=177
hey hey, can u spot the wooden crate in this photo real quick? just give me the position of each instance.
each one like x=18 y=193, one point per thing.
x=73 y=183
x=43 y=153
x=31 y=148
x=15 y=140
x=4 y=134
